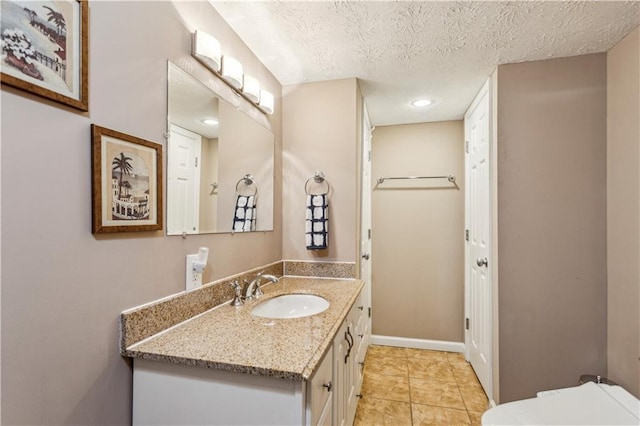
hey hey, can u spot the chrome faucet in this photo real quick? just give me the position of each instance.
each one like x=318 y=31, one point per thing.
x=253 y=289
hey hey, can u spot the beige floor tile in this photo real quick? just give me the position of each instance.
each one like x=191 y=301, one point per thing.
x=475 y=418
x=426 y=354
x=464 y=373
x=395 y=388
x=386 y=365
x=430 y=415
x=474 y=398
x=456 y=359
x=392 y=351
x=436 y=393
x=431 y=369
x=466 y=380
x=441 y=389
x=372 y=411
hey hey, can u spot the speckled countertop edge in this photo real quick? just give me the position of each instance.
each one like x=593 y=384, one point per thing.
x=231 y=339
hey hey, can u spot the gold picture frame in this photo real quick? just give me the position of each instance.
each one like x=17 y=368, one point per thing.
x=126 y=182
x=45 y=49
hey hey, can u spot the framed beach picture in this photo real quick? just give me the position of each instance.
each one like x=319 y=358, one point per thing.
x=126 y=182
x=45 y=49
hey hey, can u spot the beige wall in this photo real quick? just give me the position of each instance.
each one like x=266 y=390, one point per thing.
x=552 y=223
x=320 y=133
x=62 y=287
x=623 y=212
x=418 y=232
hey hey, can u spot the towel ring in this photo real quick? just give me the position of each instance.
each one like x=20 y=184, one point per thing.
x=248 y=180
x=319 y=178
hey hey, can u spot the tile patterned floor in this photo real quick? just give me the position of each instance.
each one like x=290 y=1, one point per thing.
x=403 y=386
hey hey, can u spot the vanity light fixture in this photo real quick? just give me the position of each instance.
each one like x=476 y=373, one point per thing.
x=207 y=50
x=251 y=88
x=232 y=71
x=421 y=103
x=266 y=101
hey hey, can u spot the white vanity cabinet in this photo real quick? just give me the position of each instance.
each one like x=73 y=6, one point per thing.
x=349 y=349
x=170 y=394
x=174 y=393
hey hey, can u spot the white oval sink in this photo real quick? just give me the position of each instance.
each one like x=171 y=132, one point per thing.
x=291 y=306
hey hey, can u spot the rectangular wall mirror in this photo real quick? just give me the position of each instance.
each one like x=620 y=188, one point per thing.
x=220 y=167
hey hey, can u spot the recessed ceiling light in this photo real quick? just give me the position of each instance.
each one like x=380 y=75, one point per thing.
x=421 y=103
x=210 y=121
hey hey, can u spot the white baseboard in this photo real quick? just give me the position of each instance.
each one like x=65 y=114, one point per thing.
x=407 y=342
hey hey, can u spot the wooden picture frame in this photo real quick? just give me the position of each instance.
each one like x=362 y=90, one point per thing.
x=126 y=182
x=45 y=49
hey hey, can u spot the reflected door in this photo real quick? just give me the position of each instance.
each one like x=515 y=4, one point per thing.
x=183 y=180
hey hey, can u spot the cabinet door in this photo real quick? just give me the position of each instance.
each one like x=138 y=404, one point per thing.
x=320 y=392
x=340 y=345
x=351 y=368
x=327 y=414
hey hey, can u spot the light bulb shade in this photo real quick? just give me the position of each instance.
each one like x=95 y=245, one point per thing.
x=266 y=101
x=207 y=50
x=251 y=88
x=232 y=71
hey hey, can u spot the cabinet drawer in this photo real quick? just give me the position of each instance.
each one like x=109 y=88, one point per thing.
x=320 y=389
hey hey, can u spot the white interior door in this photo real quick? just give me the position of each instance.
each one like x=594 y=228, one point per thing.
x=365 y=242
x=478 y=266
x=183 y=170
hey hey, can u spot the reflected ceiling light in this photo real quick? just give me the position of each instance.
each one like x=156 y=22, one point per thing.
x=251 y=88
x=266 y=101
x=207 y=50
x=232 y=71
x=421 y=103
x=210 y=121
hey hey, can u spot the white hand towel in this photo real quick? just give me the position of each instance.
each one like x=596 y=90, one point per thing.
x=317 y=222
x=244 y=218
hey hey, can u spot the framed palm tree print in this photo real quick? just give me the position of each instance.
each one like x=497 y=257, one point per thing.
x=126 y=182
x=45 y=49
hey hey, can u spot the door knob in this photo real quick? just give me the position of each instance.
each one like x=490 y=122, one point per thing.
x=482 y=261
x=365 y=256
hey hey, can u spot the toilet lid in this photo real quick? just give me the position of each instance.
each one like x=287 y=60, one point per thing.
x=588 y=404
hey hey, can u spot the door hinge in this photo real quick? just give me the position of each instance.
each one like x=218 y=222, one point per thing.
x=369 y=156
x=466 y=235
x=369 y=311
x=369 y=233
x=466 y=323
x=196 y=161
x=466 y=146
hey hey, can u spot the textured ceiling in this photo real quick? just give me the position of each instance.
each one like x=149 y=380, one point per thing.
x=404 y=50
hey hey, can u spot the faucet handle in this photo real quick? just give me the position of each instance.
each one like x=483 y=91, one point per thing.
x=257 y=292
x=237 y=300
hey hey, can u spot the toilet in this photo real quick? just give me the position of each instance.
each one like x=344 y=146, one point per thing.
x=587 y=404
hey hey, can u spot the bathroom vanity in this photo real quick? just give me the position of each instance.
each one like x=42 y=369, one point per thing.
x=227 y=366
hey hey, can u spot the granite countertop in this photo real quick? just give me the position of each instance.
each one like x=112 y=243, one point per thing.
x=230 y=338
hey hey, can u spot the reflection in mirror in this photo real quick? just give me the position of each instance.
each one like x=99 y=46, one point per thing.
x=219 y=163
